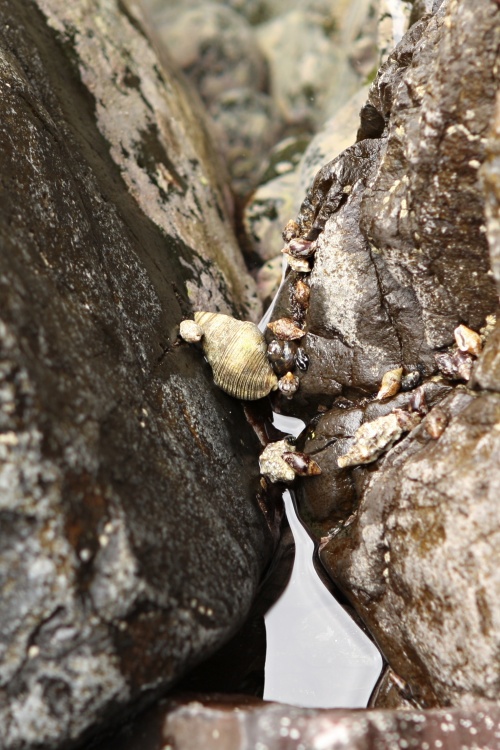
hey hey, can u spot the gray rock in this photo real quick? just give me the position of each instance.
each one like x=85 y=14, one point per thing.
x=290 y=174
x=239 y=723
x=302 y=61
x=273 y=202
x=246 y=126
x=491 y=186
x=360 y=322
x=215 y=46
x=132 y=542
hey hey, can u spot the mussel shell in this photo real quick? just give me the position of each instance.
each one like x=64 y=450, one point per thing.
x=236 y=351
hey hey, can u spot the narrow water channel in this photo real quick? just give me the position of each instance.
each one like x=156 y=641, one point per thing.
x=316 y=654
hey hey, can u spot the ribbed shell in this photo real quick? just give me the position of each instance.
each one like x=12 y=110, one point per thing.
x=236 y=351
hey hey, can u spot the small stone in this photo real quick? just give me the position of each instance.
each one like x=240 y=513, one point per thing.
x=273 y=466
x=190 y=331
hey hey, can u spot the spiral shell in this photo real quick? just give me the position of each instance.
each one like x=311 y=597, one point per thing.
x=236 y=351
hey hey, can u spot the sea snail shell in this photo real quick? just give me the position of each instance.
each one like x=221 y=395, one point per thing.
x=236 y=351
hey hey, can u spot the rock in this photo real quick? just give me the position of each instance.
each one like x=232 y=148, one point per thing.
x=393 y=268
x=217 y=50
x=393 y=22
x=273 y=202
x=221 y=722
x=214 y=46
x=491 y=185
x=424 y=210
x=269 y=278
x=246 y=125
x=327 y=502
x=336 y=134
x=418 y=558
x=360 y=322
x=302 y=62
x=289 y=176
x=486 y=373
x=131 y=537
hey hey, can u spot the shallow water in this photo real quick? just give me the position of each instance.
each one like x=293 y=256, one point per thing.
x=316 y=654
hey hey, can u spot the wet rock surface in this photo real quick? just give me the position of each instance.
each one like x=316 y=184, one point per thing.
x=489 y=175
x=240 y=723
x=419 y=555
x=128 y=550
x=401 y=260
x=440 y=113
x=402 y=256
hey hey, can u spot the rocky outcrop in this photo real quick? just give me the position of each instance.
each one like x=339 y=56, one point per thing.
x=402 y=258
x=131 y=538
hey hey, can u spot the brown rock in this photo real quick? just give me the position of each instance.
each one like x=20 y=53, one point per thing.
x=418 y=560
x=220 y=722
x=424 y=210
x=487 y=370
x=402 y=257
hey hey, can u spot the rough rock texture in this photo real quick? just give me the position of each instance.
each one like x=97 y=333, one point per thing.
x=131 y=540
x=218 y=51
x=486 y=374
x=424 y=210
x=238 y=723
x=419 y=558
x=490 y=175
x=156 y=139
x=246 y=126
x=302 y=61
x=402 y=255
x=328 y=501
x=402 y=259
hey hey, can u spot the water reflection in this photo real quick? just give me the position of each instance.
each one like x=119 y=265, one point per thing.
x=316 y=655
